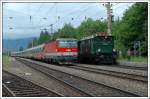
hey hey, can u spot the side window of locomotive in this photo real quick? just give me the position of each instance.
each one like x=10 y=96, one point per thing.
x=62 y=44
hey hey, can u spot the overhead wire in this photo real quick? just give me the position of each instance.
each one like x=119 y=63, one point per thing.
x=72 y=12
x=51 y=8
x=82 y=11
x=61 y=19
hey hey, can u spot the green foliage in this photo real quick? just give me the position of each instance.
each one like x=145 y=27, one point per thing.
x=33 y=43
x=132 y=27
x=134 y=59
x=30 y=45
x=44 y=37
x=67 y=31
x=90 y=27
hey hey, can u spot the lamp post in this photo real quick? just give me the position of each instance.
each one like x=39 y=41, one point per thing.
x=51 y=25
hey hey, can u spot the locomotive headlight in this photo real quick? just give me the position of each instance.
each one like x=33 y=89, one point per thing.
x=99 y=50
x=114 y=50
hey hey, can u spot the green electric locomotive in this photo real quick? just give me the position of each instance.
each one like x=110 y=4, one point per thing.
x=98 y=48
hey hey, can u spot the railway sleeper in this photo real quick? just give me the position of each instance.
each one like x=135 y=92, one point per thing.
x=20 y=85
x=33 y=92
x=20 y=88
x=16 y=91
x=32 y=95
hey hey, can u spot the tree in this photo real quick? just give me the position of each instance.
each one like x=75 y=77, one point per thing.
x=68 y=31
x=132 y=27
x=35 y=42
x=44 y=37
x=29 y=45
x=90 y=27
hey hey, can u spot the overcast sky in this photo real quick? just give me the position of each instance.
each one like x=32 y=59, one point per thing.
x=17 y=22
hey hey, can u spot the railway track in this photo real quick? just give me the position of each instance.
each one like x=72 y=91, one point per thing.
x=110 y=72
x=129 y=67
x=90 y=87
x=15 y=86
x=68 y=89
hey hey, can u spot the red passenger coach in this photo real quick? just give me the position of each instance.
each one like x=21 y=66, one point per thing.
x=62 y=51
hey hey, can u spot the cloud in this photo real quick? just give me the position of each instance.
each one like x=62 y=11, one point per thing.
x=29 y=18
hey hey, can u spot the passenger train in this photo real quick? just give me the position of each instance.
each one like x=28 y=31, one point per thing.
x=61 y=51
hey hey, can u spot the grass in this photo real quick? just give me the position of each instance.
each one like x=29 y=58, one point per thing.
x=6 y=60
x=135 y=59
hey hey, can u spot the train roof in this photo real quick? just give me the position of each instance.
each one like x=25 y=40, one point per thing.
x=60 y=39
x=29 y=49
x=66 y=39
x=16 y=52
x=35 y=47
x=93 y=36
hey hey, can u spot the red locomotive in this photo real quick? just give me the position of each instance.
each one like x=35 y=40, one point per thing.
x=62 y=51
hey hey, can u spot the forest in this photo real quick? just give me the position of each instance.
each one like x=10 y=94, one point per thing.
x=131 y=28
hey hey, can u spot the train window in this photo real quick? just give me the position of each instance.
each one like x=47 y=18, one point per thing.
x=106 y=38
x=68 y=43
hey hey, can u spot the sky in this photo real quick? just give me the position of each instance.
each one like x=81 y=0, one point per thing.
x=24 y=20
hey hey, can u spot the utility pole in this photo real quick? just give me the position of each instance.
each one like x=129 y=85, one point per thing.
x=85 y=17
x=45 y=29
x=51 y=31
x=109 y=18
x=51 y=28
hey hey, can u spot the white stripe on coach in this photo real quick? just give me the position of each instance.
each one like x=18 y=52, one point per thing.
x=61 y=53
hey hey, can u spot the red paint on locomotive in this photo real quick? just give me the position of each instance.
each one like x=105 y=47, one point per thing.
x=50 y=47
x=54 y=47
x=61 y=50
x=67 y=49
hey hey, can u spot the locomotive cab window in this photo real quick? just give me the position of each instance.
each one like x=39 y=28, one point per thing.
x=103 y=39
x=67 y=43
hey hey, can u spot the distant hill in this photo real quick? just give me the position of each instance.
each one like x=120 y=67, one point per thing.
x=15 y=44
